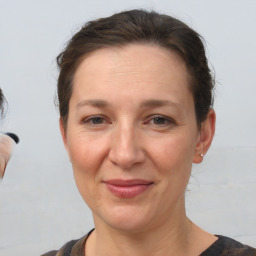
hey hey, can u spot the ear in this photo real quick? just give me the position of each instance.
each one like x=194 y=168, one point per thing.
x=64 y=134
x=205 y=137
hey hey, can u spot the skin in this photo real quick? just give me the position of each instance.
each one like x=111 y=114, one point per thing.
x=131 y=116
x=6 y=146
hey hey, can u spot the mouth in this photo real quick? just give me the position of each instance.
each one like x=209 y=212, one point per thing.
x=127 y=188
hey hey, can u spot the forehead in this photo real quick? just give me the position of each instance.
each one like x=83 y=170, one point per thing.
x=149 y=57
x=128 y=51
x=133 y=67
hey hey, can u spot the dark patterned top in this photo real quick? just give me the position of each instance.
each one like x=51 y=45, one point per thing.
x=224 y=246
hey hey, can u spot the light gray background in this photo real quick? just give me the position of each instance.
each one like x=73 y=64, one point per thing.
x=40 y=207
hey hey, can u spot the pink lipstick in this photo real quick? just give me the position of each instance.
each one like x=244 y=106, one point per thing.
x=127 y=188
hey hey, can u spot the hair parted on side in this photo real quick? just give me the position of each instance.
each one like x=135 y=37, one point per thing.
x=141 y=27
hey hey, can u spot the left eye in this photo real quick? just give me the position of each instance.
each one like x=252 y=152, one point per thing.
x=160 y=120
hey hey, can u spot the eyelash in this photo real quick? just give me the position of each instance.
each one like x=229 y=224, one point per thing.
x=99 y=120
x=161 y=118
x=90 y=120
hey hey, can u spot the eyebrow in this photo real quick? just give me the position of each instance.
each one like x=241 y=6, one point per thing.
x=159 y=103
x=94 y=103
x=97 y=103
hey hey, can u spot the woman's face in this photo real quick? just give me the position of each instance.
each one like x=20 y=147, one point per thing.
x=131 y=135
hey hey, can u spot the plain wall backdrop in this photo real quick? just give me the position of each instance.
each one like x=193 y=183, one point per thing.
x=40 y=207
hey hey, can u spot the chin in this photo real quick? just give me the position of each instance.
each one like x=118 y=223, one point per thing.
x=125 y=218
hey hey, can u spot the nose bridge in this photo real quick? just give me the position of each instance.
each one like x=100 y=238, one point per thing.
x=126 y=150
x=126 y=137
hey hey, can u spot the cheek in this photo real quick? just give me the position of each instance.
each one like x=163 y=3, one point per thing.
x=173 y=151
x=173 y=159
x=85 y=159
x=87 y=155
x=85 y=152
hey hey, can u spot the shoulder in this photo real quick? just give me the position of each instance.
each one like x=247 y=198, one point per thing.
x=226 y=246
x=71 y=248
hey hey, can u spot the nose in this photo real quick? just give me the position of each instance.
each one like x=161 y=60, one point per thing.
x=126 y=149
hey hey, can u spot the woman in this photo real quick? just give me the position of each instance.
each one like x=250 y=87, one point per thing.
x=135 y=101
x=7 y=141
x=1 y=101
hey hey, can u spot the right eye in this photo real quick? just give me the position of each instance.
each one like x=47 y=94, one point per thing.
x=96 y=120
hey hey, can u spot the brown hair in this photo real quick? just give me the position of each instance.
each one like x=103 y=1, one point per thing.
x=139 y=26
x=2 y=101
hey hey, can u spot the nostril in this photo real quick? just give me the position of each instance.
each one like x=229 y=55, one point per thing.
x=125 y=150
x=126 y=158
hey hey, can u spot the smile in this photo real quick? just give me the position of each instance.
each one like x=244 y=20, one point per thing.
x=127 y=188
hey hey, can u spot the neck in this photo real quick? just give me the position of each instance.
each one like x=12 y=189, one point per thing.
x=167 y=238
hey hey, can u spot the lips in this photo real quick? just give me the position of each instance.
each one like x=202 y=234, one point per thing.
x=127 y=188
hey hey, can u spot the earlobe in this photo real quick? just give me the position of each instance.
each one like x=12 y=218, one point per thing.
x=206 y=136
x=63 y=134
